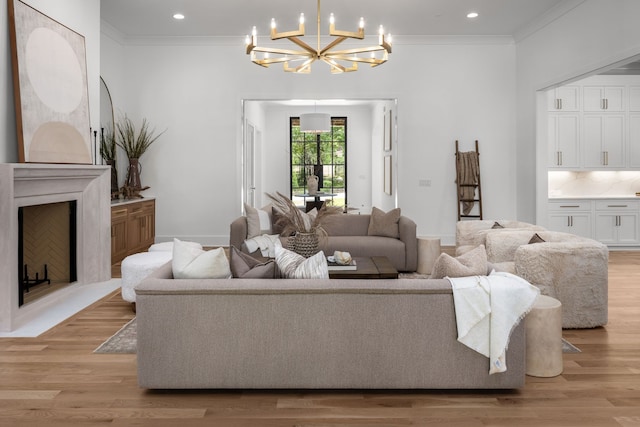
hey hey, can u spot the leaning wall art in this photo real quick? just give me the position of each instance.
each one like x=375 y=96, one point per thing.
x=50 y=88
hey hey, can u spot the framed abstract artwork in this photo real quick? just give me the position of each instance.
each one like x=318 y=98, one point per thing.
x=50 y=88
x=387 y=175
x=388 y=130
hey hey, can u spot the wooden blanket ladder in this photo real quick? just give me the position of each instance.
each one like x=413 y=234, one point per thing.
x=468 y=185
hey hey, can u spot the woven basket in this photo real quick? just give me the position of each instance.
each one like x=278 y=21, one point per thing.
x=305 y=244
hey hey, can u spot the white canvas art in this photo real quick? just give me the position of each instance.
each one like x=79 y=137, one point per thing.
x=50 y=88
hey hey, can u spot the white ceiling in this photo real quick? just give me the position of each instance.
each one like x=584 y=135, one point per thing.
x=147 y=18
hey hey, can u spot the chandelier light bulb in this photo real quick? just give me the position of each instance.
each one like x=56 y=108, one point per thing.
x=273 y=23
x=389 y=38
x=247 y=40
x=302 y=18
x=254 y=32
x=332 y=19
x=361 y=24
x=381 y=30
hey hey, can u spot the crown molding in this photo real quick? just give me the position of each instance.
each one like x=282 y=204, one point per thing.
x=546 y=18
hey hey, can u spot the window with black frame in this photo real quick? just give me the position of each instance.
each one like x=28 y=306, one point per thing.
x=323 y=155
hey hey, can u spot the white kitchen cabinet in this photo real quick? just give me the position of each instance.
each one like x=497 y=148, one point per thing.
x=633 y=144
x=603 y=141
x=565 y=98
x=603 y=98
x=571 y=216
x=564 y=139
x=616 y=222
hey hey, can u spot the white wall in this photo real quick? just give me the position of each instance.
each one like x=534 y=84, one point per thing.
x=82 y=16
x=194 y=89
x=591 y=36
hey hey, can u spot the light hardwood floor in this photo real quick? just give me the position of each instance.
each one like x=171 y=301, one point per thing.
x=56 y=380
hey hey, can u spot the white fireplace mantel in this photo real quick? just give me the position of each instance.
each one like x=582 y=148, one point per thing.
x=27 y=184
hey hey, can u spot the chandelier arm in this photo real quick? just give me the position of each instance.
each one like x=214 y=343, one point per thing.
x=354 y=59
x=287 y=34
x=349 y=34
x=331 y=45
x=305 y=46
x=357 y=50
x=277 y=51
x=303 y=68
x=268 y=61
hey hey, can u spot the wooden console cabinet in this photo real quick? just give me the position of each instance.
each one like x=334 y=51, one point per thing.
x=132 y=227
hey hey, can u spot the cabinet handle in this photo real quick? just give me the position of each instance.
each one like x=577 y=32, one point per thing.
x=570 y=206
x=617 y=206
x=606 y=103
x=560 y=103
x=569 y=221
x=606 y=156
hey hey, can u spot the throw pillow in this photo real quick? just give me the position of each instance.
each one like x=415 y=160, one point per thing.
x=245 y=266
x=536 y=239
x=496 y=224
x=193 y=263
x=295 y=266
x=384 y=224
x=258 y=222
x=472 y=263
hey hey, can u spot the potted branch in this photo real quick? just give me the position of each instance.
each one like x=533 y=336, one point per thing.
x=108 y=152
x=304 y=231
x=134 y=144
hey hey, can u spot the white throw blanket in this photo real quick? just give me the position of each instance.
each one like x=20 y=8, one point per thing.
x=487 y=310
x=266 y=243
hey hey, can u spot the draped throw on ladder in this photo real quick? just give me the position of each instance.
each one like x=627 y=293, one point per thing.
x=468 y=174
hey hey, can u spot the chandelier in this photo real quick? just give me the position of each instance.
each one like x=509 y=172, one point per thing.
x=299 y=61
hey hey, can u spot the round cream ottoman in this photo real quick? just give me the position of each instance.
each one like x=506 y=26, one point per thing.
x=136 y=267
x=168 y=246
x=543 y=327
x=428 y=253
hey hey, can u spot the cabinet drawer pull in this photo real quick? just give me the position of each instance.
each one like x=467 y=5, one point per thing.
x=617 y=206
x=570 y=206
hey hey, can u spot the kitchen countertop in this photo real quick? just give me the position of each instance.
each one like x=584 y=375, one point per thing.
x=632 y=197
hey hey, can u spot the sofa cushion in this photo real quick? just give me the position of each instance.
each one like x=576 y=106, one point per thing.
x=384 y=224
x=258 y=221
x=295 y=266
x=245 y=266
x=472 y=263
x=192 y=263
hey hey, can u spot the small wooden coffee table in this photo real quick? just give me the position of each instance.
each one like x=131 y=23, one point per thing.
x=377 y=267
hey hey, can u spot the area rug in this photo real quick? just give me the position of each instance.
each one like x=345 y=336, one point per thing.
x=124 y=341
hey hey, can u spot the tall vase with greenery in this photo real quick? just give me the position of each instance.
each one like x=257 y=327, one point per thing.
x=134 y=144
x=304 y=231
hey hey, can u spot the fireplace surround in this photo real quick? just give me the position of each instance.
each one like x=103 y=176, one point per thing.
x=27 y=184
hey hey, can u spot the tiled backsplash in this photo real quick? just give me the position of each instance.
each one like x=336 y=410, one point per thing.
x=594 y=183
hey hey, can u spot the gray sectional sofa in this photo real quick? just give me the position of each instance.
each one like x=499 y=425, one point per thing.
x=308 y=334
x=350 y=233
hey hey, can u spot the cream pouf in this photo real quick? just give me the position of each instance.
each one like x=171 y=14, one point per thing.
x=168 y=246
x=544 y=338
x=136 y=267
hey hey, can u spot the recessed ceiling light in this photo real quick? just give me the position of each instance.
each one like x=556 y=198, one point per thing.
x=472 y=15
x=178 y=16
